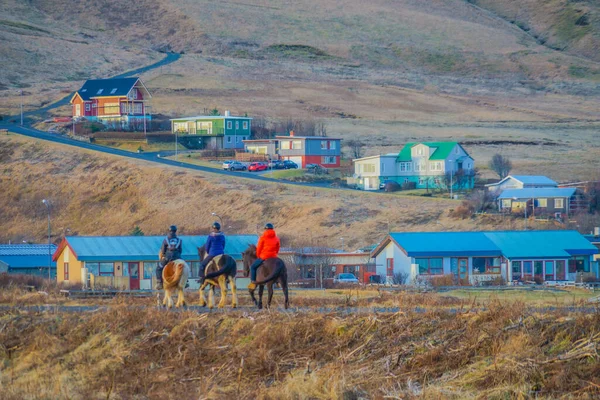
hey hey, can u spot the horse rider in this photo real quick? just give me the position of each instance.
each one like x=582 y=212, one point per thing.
x=169 y=250
x=267 y=247
x=215 y=246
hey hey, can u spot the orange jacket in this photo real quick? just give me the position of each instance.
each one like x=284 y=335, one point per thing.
x=268 y=245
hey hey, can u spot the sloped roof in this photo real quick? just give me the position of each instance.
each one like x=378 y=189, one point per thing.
x=140 y=248
x=534 y=179
x=529 y=193
x=110 y=87
x=443 y=150
x=26 y=255
x=511 y=244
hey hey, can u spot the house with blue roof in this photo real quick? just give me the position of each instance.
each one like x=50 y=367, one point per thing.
x=28 y=259
x=129 y=262
x=548 y=201
x=475 y=257
x=427 y=165
x=522 y=182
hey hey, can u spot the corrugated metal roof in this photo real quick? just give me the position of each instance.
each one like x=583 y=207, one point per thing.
x=534 y=179
x=207 y=117
x=541 y=244
x=528 y=193
x=511 y=244
x=106 y=87
x=418 y=244
x=25 y=249
x=140 y=248
x=443 y=150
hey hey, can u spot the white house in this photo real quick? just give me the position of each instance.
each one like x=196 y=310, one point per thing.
x=427 y=165
x=473 y=257
x=522 y=182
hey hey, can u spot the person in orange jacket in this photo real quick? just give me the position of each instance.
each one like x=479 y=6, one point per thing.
x=268 y=247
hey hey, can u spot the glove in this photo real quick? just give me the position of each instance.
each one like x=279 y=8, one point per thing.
x=160 y=255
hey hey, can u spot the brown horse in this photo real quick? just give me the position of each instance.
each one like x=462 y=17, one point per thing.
x=218 y=272
x=272 y=270
x=175 y=275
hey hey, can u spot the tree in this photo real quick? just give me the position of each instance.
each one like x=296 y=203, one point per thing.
x=356 y=147
x=136 y=231
x=500 y=165
x=214 y=112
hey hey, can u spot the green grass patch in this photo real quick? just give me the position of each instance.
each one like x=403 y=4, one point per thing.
x=21 y=25
x=297 y=51
x=195 y=160
x=528 y=296
x=285 y=174
x=577 y=71
x=134 y=146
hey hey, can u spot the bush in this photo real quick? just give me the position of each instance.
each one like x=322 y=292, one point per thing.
x=400 y=278
x=409 y=185
x=464 y=211
x=442 y=280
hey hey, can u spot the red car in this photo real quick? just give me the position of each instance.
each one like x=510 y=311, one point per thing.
x=257 y=166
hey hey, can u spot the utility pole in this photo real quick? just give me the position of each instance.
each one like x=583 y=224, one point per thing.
x=21 y=107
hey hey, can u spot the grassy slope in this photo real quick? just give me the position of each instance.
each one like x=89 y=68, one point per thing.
x=104 y=195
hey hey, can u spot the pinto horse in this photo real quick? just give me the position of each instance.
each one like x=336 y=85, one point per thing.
x=218 y=272
x=175 y=275
x=272 y=270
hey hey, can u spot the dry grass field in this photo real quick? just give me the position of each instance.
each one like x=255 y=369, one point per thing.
x=432 y=346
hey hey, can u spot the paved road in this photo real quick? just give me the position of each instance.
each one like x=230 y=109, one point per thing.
x=169 y=58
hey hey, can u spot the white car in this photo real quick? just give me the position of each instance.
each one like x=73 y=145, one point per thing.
x=346 y=278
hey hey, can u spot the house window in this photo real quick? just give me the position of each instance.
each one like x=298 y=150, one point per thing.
x=307 y=272
x=486 y=265
x=229 y=124
x=369 y=168
x=296 y=144
x=87 y=107
x=549 y=270
x=420 y=151
x=527 y=268
x=328 y=160
x=243 y=137
x=100 y=91
x=180 y=126
x=113 y=91
x=237 y=139
x=405 y=166
x=560 y=270
x=506 y=203
x=332 y=145
x=435 y=166
x=237 y=124
x=66 y=271
x=107 y=269
x=559 y=203
x=194 y=269
x=134 y=94
x=578 y=264
x=419 y=166
x=111 y=108
x=245 y=125
x=323 y=144
x=421 y=181
x=286 y=144
x=516 y=269
x=430 y=266
x=542 y=203
x=228 y=139
x=149 y=269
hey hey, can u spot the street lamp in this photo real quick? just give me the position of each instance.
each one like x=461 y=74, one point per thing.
x=451 y=176
x=21 y=107
x=218 y=216
x=47 y=204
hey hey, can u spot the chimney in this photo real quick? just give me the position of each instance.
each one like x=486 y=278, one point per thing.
x=597 y=231
x=227 y=113
x=292 y=133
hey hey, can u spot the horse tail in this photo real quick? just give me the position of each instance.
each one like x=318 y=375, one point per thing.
x=172 y=274
x=225 y=270
x=275 y=274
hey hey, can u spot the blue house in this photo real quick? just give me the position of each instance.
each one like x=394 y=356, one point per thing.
x=28 y=259
x=129 y=262
x=474 y=257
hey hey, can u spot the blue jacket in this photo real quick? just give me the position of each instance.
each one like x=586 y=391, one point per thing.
x=215 y=244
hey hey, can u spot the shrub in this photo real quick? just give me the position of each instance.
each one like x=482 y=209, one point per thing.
x=442 y=280
x=464 y=211
x=409 y=185
x=400 y=278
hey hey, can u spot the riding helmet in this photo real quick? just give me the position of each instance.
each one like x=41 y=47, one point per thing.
x=173 y=228
x=216 y=225
x=268 y=225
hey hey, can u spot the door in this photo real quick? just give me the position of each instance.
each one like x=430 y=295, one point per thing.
x=389 y=268
x=538 y=271
x=560 y=270
x=463 y=269
x=134 y=276
x=77 y=110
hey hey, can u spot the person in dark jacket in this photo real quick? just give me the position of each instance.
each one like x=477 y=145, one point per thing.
x=267 y=247
x=215 y=246
x=170 y=250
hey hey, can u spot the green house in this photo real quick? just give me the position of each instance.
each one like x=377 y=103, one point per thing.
x=214 y=131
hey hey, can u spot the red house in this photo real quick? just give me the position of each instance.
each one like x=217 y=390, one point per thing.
x=118 y=102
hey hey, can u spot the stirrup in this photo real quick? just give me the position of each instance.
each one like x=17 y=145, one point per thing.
x=252 y=286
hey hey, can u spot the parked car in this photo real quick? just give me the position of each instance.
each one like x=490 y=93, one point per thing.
x=287 y=164
x=345 y=278
x=257 y=166
x=275 y=164
x=316 y=169
x=233 y=166
x=390 y=186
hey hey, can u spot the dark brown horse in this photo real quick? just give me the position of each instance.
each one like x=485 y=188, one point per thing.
x=219 y=271
x=271 y=271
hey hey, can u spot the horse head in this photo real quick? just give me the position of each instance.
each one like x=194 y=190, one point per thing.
x=248 y=257
x=202 y=252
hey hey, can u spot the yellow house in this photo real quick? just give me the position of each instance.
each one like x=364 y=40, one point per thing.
x=129 y=262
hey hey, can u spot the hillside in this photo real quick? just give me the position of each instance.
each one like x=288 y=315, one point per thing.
x=96 y=194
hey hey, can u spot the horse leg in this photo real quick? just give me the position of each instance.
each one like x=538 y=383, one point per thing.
x=251 y=291
x=211 y=297
x=284 y=288
x=201 y=292
x=233 y=292
x=261 y=289
x=168 y=298
x=270 y=290
x=180 y=298
x=223 y=287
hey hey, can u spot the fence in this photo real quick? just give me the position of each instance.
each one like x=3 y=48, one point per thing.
x=113 y=282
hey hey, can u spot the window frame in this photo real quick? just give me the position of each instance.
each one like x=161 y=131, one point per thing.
x=560 y=201
x=245 y=125
x=229 y=125
x=429 y=267
x=489 y=269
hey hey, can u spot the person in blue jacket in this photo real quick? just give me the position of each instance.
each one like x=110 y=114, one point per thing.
x=215 y=246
